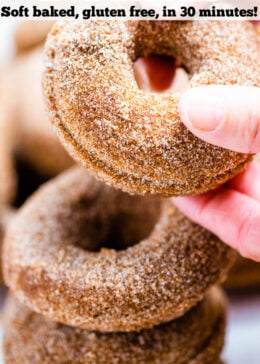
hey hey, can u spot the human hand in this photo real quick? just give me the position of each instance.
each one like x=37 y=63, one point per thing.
x=228 y=116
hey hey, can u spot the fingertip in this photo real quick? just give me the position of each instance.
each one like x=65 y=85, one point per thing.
x=250 y=250
x=201 y=109
x=192 y=206
x=227 y=116
x=248 y=241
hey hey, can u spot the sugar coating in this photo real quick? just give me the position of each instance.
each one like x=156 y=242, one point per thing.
x=135 y=140
x=195 y=338
x=56 y=259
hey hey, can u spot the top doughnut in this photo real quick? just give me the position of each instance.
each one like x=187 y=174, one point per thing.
x=135 y=140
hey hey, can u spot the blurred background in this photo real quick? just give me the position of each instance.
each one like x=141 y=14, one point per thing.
x=20 y=65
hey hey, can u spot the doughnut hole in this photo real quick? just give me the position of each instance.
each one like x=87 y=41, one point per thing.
x=161 y=74
x=113 y=220
x=128 y=228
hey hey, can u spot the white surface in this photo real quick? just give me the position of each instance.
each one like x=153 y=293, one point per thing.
x=243 y=333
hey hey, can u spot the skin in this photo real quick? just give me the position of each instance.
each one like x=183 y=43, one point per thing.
x=230 y=118
x=233 y=211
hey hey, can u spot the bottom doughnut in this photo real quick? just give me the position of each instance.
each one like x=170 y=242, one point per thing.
x=195 y=338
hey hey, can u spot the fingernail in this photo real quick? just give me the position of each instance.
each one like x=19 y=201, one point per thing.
x=201 y=111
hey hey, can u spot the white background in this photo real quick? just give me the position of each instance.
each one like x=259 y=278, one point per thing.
x=243 y=333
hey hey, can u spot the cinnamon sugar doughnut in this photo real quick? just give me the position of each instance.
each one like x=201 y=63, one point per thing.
x=60 y=258
x=31 y=33
x=132 y=139
x=195 y=338
x=36 y=142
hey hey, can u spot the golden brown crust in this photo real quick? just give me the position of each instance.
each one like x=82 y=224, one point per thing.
x=31 y=33
x=171 y=266
x=129 y=138
x=36 y=142
x=195 y=338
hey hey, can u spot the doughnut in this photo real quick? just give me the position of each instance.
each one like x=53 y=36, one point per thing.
x=30 y=34
x=195 y=338
x=36 y=142
x=131 y=139
x=84 y=254
x=6 y=214
x=8 y=176
x=8 y=182
x=33 y=140
x=244 y=274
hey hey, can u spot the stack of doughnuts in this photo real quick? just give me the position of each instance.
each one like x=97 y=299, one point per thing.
x=99 y=275
x=36 y=143
x=8 y=176
x=33 y=140
x=8 y=180
x=26 y=136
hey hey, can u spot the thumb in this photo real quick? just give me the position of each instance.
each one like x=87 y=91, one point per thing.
x=227 y=116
